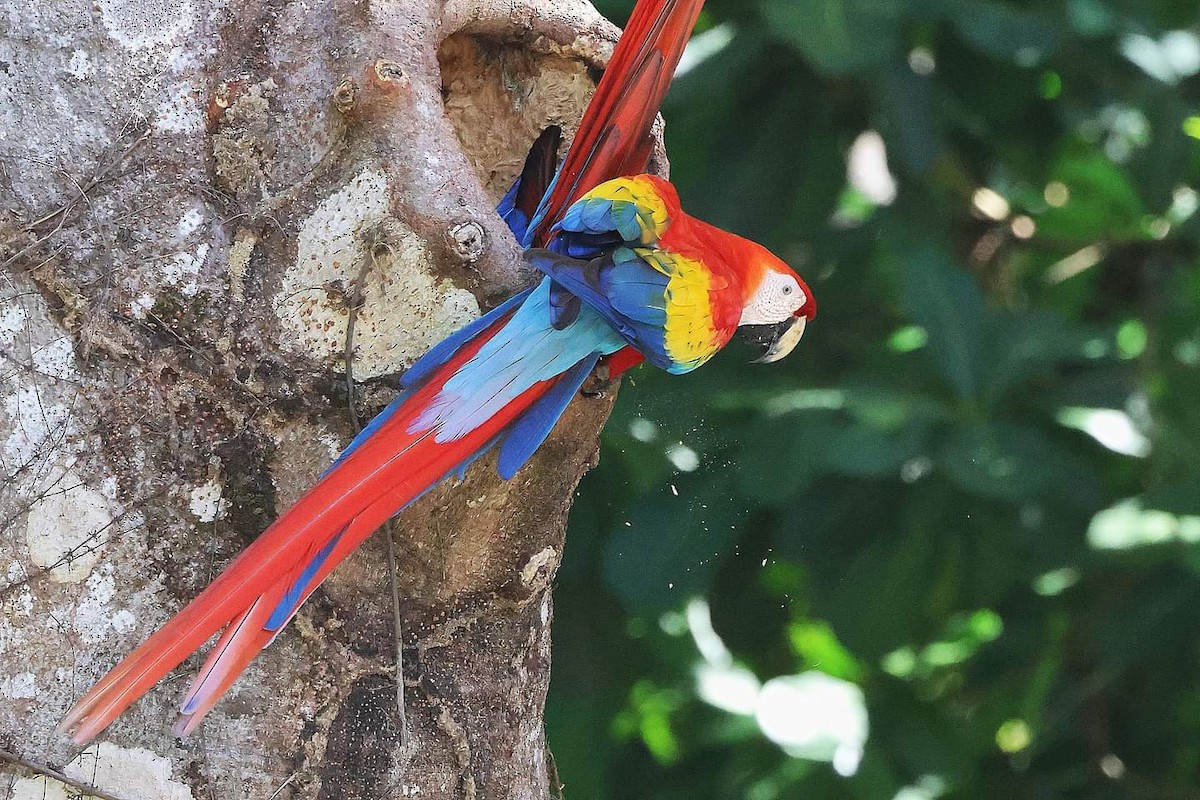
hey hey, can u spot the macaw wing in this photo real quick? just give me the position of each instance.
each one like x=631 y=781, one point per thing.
x=631 y=211
x=659 y=302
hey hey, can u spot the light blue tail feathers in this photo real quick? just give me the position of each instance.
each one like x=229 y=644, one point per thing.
x=526 y=351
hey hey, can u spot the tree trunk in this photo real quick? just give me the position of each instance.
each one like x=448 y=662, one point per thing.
x=199 y=199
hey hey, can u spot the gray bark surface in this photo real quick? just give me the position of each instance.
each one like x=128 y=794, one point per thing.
x=191 y=193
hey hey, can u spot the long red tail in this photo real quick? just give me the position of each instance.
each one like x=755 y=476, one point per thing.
x=384 y=473
x=614 y=135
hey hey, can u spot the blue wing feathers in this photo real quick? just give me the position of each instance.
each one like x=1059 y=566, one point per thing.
x=564 y=306
x=526 y=351
x=595 y=216
x=569 y=273
x=517 y=220
x=642 y=303
x=627 y=218
x=628 y=295
x=584 y=245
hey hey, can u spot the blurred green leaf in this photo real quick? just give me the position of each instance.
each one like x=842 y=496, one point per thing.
x=1005 y=31
x=649 y=718
x=818 y=646
x=670 y=544
x=948 y=304
x=782 y=454
x=1091 y=17
x=909 y=476
x=830 y=32
x=889 y=407
x=867 y=451
x=1180 y=497
x=1026 y=346
x=1001 y=461
x=911 y=119
x=875 y=605
x=1013 y=462
x=1102 y=206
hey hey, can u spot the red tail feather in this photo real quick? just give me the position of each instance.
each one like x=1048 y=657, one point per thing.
x=386 y=472
x=613 y=137
x=242 y=640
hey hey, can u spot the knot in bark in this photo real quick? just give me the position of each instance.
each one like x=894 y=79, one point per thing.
x=226 y=93
x=389 y=74
x=344 y=95
x=467 y=241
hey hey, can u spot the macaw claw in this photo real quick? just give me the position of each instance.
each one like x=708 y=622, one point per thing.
x=598 y=383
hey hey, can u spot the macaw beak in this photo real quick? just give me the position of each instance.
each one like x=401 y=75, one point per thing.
x=779 y=339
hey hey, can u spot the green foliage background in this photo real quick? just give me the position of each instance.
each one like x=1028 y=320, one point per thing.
x=911 y=503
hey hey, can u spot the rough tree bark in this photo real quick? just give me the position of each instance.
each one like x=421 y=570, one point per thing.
x=196 y=199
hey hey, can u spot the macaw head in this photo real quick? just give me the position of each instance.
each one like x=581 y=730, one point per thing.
x=777 y=304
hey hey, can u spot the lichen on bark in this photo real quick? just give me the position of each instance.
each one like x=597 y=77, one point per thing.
x=191 y=193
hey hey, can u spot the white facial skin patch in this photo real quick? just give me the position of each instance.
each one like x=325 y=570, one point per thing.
x=778 y=297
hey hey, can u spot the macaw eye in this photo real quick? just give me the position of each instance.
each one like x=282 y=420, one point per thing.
x=787 y=289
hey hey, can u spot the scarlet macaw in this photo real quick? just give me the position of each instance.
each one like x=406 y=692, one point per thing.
x=629 y=276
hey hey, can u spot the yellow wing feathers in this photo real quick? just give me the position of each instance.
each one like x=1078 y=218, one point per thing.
x=642 y=201
x=690 y=336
